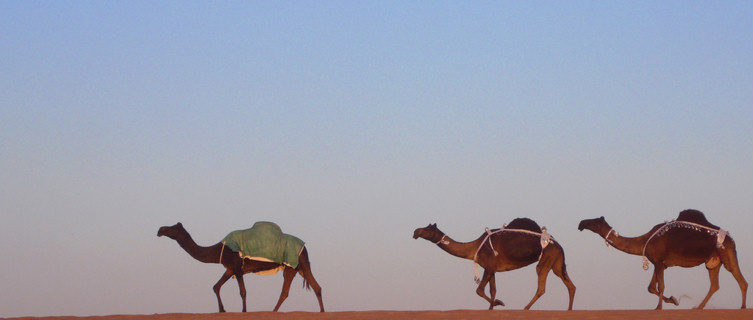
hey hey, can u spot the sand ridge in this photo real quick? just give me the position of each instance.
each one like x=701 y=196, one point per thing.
x=429 y=314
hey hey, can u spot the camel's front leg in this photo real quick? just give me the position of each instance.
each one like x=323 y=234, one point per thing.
x=218 y=285
x=493 y=292
x=480 y=290
x=652 y=289
x=288 y=274
x=659 y=274
x=241 y=287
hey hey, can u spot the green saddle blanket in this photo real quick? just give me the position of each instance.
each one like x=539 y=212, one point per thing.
x=266 y=242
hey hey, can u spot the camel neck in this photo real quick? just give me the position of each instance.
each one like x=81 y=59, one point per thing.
x=631 y=245
x=465 y=250
x=204 y=254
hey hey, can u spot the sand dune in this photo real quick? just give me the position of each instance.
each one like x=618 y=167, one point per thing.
x=426 y=315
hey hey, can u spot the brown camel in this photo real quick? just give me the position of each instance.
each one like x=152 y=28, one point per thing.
x=686 y=242
x=237 y=266
x=516 y=245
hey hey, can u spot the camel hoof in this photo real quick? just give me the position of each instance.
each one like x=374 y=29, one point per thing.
x=499 y=303
x=674 y=301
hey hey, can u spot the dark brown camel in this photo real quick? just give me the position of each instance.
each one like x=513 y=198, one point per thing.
x=509 y=250
x=237 y=266
x=677 y=244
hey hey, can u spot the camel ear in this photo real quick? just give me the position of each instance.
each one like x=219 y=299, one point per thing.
x=180 y=225
x=434 y=225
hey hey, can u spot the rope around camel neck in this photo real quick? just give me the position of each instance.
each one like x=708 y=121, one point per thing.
x=223 y=249
x=606 y=238
x=720 y=235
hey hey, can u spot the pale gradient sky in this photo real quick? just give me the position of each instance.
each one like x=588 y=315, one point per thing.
x=352 y=123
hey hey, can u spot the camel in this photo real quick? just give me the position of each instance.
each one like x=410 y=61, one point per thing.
x=686 y=242
x=237 y=266
x=516 y=245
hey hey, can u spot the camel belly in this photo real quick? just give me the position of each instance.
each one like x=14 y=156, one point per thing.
x=684 y=261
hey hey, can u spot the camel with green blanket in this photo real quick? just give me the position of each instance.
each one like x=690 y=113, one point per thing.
x=262 y=249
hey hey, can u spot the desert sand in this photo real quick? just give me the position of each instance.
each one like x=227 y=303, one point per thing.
x=426 y=315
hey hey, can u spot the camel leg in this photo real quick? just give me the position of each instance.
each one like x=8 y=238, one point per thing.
x=493 y=292
x=218 y=285
x=482 y=285
x=659 y=273
x=652 y=289
x=241 y=288
x=542 y=269
x=729 y=260
x=288 y=275
x=714 y=278
x=560 y=270
x=304 y=268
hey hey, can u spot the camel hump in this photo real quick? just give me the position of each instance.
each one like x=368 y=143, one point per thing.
x=525 y=224
x=695 y=216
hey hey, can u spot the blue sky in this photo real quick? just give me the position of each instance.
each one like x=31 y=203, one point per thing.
x=350 y=124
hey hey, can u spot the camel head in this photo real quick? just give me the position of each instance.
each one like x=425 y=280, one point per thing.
x=430 y=233
x=172 y=232
x=594 y=224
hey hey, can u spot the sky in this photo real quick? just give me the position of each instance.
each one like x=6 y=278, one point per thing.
x=350 y=124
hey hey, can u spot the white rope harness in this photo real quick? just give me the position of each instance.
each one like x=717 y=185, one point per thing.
x=546 y=239
x=223 y=249
x=606 y=238
x=443 y=241
x=720 y=234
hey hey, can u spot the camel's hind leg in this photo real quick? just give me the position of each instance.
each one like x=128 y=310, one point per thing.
x=288 y=274
x=218 y=285
x=308 y=278
x=560 y=270
x=729 y=260
x=542 y=269
x=653 y=290
x=714 y=278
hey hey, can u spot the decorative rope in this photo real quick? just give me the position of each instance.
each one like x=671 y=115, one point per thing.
x=720 y=234
x=546 y=239
x=443 y=241
x=223 y=249
x=606 y=238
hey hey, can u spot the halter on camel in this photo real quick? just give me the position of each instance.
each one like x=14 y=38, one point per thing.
x=546 y=239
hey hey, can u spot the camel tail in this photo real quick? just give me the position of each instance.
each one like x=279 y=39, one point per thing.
x=304 y=268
